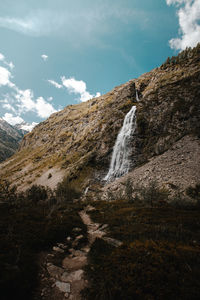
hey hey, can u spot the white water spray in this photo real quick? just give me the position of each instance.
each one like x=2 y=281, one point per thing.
x=120 y=162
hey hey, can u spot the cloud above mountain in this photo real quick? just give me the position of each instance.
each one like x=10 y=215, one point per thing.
x=8 y=117
x=20 y=101
x=77 y=87
x=188 y=12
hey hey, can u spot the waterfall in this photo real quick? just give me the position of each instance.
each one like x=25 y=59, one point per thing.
x=137 y=97
x=120 y=162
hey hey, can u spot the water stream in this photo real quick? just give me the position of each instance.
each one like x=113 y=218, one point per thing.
x=120 y=162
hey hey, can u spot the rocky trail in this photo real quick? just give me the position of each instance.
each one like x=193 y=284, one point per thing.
x=62 y=275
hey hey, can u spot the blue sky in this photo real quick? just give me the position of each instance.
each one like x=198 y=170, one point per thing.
x=56 y=53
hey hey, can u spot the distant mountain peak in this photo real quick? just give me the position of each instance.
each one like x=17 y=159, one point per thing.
x=25 y=127
x=10 y=137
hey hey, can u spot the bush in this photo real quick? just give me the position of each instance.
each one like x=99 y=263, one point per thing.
x=194 y=192
x=67 y=192
x=152 y=195
x=7 y=192
x=30 y=222
x=36 y=193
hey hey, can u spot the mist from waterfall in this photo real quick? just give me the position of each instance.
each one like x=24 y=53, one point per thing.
x=120 y=162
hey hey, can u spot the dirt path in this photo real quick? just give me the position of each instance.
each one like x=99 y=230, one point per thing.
x=65 y=280
x=94 y=230
x=78 y=259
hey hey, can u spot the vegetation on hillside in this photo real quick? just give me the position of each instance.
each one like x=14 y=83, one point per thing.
x=31 y=222
x=160 y=255
x=181 y=58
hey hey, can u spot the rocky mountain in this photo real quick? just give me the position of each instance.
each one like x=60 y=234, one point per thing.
x=77 y=142
x=10 y=138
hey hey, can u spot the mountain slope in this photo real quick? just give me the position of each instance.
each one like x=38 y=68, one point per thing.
x=10 y=138
x=77 y=142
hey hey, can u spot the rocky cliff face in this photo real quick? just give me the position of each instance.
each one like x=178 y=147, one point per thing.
x=77 y=142
x=169 y=108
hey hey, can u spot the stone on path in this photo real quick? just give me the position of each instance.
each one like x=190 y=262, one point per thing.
x=113 y=242
x=74 y=276
x=74 y=263
x=57 y=249
x=54 y=271
x=63 y=286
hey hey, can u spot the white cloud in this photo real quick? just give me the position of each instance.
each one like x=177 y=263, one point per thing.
x=43 y=108
x=78 y=87
x=10 y=65
x=12 y=120
x=5 y=76
x=169 y=2
x=74 y=86
x=21 y=101
x=36 y=23
x=25 y=100
x=98 y=94
x=84 y=26
x=26 y=103
x=3 y=59
x=44 y=57
x=54 y=83
x=28 y=127
x=8 y=106
x=189 y=28
x=23 y=25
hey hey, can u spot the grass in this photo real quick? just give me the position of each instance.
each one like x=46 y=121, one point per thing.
x=143 y=270
x=160 y=254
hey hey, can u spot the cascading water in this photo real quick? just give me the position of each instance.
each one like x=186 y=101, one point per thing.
x=120 y=162
x=137 y=97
